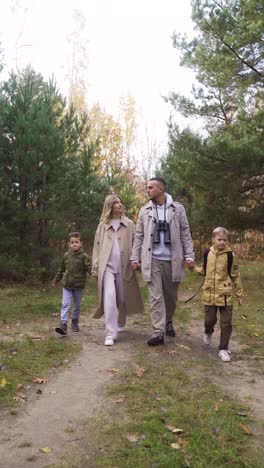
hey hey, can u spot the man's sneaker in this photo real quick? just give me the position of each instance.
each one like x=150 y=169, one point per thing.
x=62 y=328
x=169 y=329
x=224 y=355
x=207 y=338
x=109 y=341
x=156 y=340
x=75 y=325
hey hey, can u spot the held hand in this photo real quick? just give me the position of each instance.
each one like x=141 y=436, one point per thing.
x=190 y=264
x=135 y=265
x=54 y=284
x=240 y=302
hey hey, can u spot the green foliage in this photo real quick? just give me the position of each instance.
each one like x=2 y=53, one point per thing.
x=220 y=174
x=48 y=185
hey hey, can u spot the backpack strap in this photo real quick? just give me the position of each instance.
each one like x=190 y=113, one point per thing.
x=229 y=262
x=205 y=259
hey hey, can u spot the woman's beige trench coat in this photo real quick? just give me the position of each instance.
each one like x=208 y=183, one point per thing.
x=103 y=243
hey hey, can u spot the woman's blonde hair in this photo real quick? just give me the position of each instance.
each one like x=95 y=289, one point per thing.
x=106 y=215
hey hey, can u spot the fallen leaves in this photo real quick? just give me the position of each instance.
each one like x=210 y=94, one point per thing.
x=179 y=346
x=45 y=450
x=120 y=400
x=3 y=383
x=133 y=438
x=139 y=371
x=173 y=429
x=113 y=371
x=245 y=429
x=176 y=446
x=19 y=386
x=216 y=408
x=40 y=380
x=20 y=397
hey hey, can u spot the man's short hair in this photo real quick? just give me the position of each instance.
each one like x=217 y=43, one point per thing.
x=220 y=231
x=159 y=179
x=75 y=234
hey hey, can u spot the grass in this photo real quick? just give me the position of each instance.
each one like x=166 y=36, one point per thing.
x=20 y=303
x=168 y=395
x=26 y=360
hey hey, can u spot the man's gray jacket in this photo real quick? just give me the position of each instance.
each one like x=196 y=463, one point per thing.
x=181 y=241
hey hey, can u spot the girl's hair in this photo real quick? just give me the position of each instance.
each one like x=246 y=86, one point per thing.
x=107 y=208
x=220 y=230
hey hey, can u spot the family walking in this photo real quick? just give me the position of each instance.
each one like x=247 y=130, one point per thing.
x=160 y=246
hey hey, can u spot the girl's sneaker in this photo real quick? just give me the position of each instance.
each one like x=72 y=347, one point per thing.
x=109 y=341
x=224 y=355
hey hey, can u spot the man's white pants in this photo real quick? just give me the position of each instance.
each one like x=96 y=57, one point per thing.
x=113 y=293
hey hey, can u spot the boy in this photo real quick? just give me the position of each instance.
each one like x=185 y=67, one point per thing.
x=72 y=271
x=222 y=279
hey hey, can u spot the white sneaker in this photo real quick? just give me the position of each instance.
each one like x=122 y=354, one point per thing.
x=207 y=339
x=109 y=341
x=121 y=328
x=224 y=355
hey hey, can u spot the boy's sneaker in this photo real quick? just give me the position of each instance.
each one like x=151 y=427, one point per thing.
x=169 y=329
x=207 y=338
x=75 y=325
x=109 y=341
x=62 y=328
x=224 y=355
x=156 y=340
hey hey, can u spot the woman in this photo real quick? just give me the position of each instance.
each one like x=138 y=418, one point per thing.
x=118 y=290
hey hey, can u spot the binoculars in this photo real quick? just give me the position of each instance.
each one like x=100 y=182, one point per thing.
x=164 y=227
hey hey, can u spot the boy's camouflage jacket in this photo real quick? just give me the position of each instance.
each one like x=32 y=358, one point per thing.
x=73 y=269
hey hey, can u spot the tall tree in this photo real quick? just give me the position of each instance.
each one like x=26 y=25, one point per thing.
x=223 y=170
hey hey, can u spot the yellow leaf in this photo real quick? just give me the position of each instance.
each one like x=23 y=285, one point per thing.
x=45 y=450
x=3 y=383
x=256 y=334
x=216 y=408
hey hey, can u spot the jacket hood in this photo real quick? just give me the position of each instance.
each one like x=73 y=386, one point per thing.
x=169 y=201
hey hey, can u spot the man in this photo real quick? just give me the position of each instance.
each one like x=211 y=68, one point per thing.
x=162 y=244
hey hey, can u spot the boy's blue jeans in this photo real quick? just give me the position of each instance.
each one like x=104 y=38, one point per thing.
x=67 y=296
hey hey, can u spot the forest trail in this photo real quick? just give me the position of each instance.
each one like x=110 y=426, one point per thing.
x=64 y=415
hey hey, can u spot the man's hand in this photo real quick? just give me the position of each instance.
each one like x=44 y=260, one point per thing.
x=135 y=265
x=190 y=263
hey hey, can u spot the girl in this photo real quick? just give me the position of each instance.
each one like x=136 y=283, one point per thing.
x=118 y=290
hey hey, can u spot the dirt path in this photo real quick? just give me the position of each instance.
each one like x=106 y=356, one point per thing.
x=56 y=418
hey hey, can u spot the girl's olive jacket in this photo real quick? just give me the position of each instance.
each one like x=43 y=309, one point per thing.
x=103 y=243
